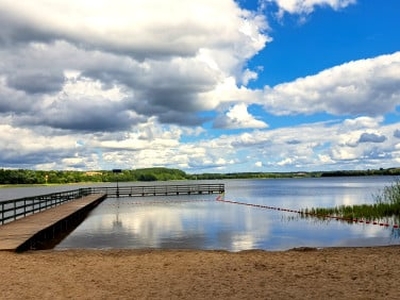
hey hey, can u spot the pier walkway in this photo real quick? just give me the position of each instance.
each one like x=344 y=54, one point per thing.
x=28 y=232
x=35 y=222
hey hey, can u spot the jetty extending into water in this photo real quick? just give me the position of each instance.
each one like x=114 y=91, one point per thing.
x=33 y=231
x=161 y=190
x=32 y=222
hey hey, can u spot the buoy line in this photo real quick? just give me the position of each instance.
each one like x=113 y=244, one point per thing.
x=354 y=220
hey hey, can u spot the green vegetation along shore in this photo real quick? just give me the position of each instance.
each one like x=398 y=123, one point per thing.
x=386 y=206
x=23 y=176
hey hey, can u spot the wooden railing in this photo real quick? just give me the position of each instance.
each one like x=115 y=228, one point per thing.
x=160 y=190
x=11 y=210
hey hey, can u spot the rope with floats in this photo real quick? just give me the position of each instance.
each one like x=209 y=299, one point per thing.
x=354 y=220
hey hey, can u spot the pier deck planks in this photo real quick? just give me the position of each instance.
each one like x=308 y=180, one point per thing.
x=16 y=233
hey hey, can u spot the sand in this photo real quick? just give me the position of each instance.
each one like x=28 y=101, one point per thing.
x=334 y=273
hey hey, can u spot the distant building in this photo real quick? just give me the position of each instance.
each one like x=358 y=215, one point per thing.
x=93 y=173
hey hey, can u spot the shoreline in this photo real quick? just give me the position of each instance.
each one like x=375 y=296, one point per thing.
x=299 y=273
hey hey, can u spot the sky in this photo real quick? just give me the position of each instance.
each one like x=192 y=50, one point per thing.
x=202 y=86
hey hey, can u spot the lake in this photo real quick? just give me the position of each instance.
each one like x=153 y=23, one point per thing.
x=200 y=222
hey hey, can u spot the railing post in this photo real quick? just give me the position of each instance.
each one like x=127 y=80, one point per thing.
x=15 y=210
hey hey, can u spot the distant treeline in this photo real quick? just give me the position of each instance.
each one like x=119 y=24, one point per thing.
x=390 y=171
x=22 y=176
x=254 y=175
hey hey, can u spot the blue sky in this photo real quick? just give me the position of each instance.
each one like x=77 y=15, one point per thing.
x=328 y=38
x=203 y=86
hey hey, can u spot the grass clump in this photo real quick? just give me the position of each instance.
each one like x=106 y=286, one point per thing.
x=386 y=204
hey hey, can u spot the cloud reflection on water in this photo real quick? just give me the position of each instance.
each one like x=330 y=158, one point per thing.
x=200 y=222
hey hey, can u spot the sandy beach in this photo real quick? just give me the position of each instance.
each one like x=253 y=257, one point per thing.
x=334 y=273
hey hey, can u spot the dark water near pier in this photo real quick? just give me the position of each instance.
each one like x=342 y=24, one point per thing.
x=200 y=222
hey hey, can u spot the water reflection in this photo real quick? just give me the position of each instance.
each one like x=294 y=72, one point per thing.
x=197 y=224
x=200 y=222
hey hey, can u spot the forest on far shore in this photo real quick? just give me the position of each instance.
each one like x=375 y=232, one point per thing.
x=24 y=176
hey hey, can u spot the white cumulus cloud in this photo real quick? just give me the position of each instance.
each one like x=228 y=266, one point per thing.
x=307 y=6
x=238 y=117
x=365 y=87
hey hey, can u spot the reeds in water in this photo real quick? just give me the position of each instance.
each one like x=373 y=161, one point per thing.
x=386 y=205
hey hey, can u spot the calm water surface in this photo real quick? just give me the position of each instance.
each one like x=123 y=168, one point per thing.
x=200 y=222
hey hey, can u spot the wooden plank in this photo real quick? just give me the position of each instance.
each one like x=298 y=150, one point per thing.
x=16 y=233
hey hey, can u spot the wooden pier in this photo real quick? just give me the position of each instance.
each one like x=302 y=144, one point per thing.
x=161 y=190
x=33 y=230
x=34 y=222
